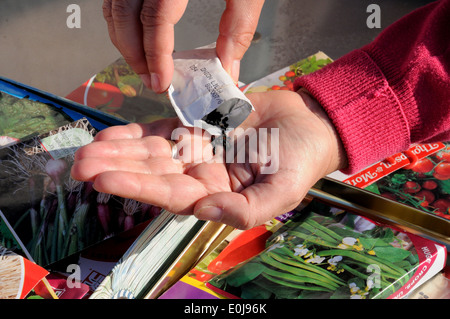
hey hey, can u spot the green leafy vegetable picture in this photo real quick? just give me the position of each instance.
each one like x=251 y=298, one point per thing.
x=324 y=253
x=309 y=65
x=20 y=118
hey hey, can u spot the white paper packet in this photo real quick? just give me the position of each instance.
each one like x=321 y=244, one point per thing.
x=204 y=95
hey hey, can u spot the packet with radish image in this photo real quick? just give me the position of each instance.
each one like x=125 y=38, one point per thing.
x=204 y=95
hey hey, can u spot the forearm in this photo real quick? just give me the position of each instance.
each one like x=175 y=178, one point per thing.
x=392 y=92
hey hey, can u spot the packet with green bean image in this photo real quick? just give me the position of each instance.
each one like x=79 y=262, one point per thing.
x=324 y=252
x=204 y=95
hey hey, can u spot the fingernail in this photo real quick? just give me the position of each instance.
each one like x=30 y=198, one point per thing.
x=156 y=85
x=146 y=80
x=209 y=213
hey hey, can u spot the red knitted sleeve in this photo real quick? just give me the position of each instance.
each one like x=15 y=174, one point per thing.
x=394 y=91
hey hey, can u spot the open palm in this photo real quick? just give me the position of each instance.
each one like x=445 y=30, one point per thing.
x=135 y=161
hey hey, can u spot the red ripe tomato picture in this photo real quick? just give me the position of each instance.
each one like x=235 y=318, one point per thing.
x=424 y=185
x=424 y=165
x=411 y=187
x=98 y=95
x=443 y=169
x=444 y=154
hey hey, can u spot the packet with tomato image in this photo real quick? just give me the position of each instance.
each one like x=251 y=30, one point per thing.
x=414 y=158
x=98 y=95
x=423 y=184
x=204 y=95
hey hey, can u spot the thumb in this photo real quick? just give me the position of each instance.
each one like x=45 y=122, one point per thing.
x=253 y=206
x=236 y=29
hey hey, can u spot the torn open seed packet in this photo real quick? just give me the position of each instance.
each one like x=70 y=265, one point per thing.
x=204 y=95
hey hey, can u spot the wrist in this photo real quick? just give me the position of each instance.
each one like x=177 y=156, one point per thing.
x=338 y=158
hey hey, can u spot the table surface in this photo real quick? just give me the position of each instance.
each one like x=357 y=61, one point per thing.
x=38 y=49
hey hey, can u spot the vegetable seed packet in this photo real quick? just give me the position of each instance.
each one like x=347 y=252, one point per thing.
x=324 y=252
x=203 y=93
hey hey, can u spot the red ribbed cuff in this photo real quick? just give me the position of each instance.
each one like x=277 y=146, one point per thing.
x=363 y=108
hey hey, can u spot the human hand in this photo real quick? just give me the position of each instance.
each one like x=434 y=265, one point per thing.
x=143 y=32
x=134 y=161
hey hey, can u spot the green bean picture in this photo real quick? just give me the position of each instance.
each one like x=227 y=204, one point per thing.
x=324 y=253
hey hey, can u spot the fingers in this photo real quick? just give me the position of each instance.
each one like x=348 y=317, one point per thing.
x=140 y=141
x=176 y=193
x=125 y=31
x=89 y=168
x=143 y=32
x=163 y=128
x=236 y=30
x=158 y=20
x=133 y=149
x=148 y=155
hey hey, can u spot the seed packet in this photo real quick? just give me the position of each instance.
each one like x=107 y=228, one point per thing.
x=54 y=215
x=18 y=275
x=204 y=95
x=324 y=252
